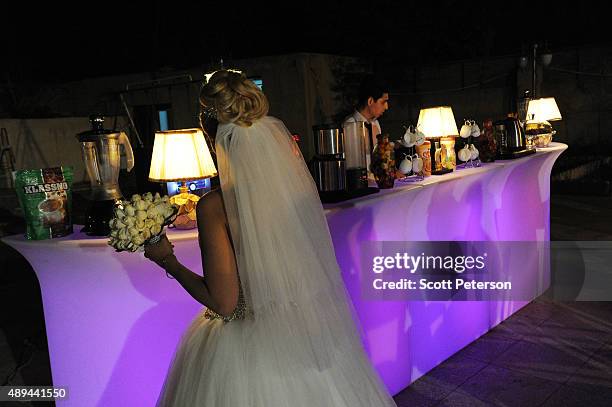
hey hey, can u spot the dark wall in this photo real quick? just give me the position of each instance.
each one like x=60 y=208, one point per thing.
x=580 y=79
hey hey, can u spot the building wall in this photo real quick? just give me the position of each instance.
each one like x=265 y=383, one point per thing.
x=44 y=143
x=309 y=89
x=580 y=79
x=474 y=89
x=301 y=89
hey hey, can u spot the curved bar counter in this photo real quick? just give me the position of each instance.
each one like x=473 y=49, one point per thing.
x=113 y=320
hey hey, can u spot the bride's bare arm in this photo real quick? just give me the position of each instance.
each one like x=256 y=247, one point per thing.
x=218 y=288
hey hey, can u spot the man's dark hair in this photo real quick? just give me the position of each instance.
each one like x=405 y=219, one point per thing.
x=373 y=87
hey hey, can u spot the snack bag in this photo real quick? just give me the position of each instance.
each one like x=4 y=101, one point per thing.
x=45 y=196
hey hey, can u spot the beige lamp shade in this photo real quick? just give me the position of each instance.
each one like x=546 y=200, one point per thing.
x=181 y=155
x=437 y=122
x=544 y=109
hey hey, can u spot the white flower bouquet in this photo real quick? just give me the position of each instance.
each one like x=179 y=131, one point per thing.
x=140 y=221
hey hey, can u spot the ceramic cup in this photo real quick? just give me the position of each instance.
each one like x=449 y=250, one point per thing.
x=420 y=137
x=464 y=154
x=473 y=152
x=475 y=130
x=417 y=164
x=52 y=211
x=466 y=130
x=409 y=138
x=406 y=165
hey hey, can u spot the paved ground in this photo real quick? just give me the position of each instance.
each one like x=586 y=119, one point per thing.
x=548 y=354
x=581 y=217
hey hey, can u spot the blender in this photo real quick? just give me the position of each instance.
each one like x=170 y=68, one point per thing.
x=100 y=151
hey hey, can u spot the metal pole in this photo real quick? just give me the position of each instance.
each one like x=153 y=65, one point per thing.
x=534 y=73
x=129 y=115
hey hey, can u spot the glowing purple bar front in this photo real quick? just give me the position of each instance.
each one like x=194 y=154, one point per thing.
x=501 y=201
x=113 y=319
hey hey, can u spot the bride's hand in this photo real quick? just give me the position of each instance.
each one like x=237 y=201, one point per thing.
x=160 y=251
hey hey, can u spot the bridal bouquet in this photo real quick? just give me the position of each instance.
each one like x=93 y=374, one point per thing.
x=140 y=221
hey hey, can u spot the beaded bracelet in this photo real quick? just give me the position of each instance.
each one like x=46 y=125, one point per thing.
x=163 y=262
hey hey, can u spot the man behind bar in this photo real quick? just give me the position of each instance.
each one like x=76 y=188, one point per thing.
x=372 y=102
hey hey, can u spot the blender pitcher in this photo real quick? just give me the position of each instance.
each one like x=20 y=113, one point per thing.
x=100 y=151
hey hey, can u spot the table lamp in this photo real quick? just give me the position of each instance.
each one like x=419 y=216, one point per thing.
x=438 y=125
x=540 y=113
x=181 y=155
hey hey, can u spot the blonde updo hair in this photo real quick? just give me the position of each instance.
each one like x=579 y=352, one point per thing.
x=234 y=98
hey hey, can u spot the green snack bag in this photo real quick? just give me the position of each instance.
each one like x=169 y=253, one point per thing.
x=46 y=199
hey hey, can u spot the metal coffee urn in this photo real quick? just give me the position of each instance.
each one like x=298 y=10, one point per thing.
x=328 y=166
x=355 y=140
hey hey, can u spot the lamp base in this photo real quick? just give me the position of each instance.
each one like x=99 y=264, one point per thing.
x=435 y=154
x=442 y=171
x=186 y=215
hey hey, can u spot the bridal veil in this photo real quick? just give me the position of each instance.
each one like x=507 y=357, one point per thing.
x=299 y=336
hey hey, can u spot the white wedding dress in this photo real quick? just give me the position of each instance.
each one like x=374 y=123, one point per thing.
x=292 y=341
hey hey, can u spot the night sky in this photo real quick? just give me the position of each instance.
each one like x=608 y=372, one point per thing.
x=55 y=42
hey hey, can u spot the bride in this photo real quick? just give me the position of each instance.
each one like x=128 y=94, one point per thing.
x=278 y=327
